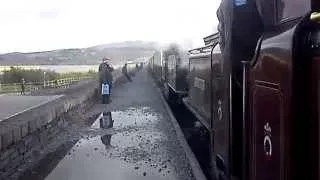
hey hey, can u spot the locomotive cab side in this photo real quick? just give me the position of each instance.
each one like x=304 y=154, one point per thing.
x=263 y=106
x=269 y=91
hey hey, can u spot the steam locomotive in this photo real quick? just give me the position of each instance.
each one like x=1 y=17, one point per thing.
x=262 y=113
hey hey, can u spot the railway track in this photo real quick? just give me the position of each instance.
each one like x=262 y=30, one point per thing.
x=197 y=138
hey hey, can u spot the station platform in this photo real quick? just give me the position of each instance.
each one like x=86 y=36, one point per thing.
x=145 y=141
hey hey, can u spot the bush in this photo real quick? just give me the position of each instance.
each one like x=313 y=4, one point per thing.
x=14 y=75
x=77 y=74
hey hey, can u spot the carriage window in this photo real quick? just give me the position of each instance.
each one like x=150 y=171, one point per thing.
x=290 y=9
x=172 y=62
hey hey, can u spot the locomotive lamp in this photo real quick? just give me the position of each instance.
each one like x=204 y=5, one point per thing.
x=315 y=16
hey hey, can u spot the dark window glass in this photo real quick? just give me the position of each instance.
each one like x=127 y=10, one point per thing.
x=288 y=9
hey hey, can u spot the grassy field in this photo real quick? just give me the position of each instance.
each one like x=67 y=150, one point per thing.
x=34 y=86
x=34 y=76
x=56 y=68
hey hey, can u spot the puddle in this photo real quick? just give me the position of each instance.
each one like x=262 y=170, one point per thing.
x=131 y=117
x=125 y=155
x=98 y=158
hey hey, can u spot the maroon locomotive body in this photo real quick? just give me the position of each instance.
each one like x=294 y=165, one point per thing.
x=269 y=128
x=257 y=92
x=261 y=106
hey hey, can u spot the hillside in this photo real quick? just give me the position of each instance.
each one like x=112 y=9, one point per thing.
x=92 y=55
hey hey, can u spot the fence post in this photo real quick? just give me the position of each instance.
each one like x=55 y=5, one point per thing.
x=15 y=87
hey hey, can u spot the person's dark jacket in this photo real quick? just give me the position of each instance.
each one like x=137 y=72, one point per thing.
x=105 y=73
x=125 y=72
x=240 y=27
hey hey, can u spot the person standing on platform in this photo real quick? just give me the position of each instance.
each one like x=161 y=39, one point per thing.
x=125 y=72
x=23 y=82
x=105 y=79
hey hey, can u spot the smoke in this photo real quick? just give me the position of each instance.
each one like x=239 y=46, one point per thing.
x=183 y=44
x=187 y=43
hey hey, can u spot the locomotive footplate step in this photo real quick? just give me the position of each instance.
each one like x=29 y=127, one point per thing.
x=202 y=119
x=141 y=143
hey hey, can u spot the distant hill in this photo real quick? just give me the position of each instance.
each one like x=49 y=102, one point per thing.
x=126 y=44
x=118 y=52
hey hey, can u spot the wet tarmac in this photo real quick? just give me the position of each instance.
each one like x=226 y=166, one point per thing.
x=142 y=143
x=12 y=105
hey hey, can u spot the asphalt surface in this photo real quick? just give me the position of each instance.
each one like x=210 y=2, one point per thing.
x=142 y=144
x=15 y=104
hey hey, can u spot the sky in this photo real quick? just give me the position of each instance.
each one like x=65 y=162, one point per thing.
x=39 y=25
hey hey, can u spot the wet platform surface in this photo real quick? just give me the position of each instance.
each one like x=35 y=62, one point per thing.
x=142 y=144
x=14 y=104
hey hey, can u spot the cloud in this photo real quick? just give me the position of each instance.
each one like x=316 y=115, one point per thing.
x=50 y=13
x=36 y=25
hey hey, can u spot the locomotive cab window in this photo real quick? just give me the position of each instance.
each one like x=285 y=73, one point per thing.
x=291 y=9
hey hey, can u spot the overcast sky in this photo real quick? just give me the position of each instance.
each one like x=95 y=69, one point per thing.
x=37 y=25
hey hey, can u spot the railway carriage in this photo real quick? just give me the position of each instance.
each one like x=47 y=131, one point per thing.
x=175 y=73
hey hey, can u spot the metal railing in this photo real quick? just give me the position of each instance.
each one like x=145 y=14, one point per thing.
x=34 y=86
x=205 y=49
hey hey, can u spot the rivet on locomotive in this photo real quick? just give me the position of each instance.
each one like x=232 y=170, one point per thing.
x=255 y=87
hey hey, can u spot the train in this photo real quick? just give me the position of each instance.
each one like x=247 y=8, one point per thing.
x=262 y=113
x=133 y=67
x=170 y=68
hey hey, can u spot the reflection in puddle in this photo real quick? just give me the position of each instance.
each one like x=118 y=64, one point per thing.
x=125 y=155
x=104 y=120
x=106 y=140
x=130 y=117
x=134 y=117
